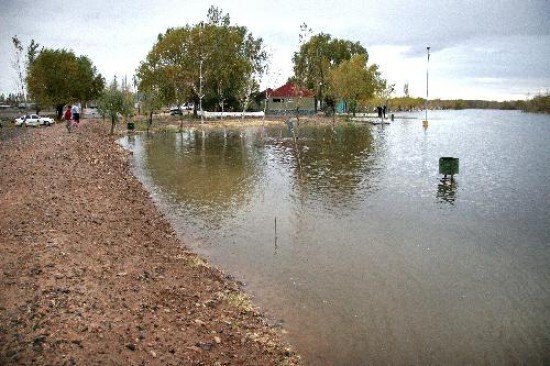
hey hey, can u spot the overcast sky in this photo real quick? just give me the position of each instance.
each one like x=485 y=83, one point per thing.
x=494 y=50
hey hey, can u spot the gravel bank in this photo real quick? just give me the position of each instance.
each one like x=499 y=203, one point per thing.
x=92 y=274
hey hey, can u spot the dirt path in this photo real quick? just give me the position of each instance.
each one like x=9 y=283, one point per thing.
x=92 y=274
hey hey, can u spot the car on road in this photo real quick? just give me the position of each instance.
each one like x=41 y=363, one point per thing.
x=176 y=110
x=34 y=120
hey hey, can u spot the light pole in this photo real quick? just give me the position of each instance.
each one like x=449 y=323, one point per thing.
x=427 y=95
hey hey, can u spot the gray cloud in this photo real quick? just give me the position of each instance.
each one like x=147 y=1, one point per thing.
x=446 y=23
x=469 y=39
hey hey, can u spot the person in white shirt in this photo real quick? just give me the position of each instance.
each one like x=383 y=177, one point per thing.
x=76 y=113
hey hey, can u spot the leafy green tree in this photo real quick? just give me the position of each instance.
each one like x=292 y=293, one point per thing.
x=115 y=101
x=212 y=61
x=540 y=103
x=150 y=102
x=150 y=96
x=318 y=55
x=58 y=77
x=354 y=81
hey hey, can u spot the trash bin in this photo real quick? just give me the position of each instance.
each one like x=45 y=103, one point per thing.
x=131 y=126
x=448 y=166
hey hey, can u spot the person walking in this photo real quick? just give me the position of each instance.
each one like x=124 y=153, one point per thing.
x=76 y=114
x=68 y=117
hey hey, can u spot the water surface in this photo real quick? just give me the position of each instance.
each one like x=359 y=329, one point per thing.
x=356 y=245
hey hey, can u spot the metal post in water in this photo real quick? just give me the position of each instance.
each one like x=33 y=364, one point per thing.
x=427 y=84
x=275 y=233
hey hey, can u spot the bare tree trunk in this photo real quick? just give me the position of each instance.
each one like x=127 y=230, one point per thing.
x=150 y=120
x=58 y=111
x=113 y=122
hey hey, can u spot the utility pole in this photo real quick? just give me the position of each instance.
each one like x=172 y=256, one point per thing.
x=427 y=94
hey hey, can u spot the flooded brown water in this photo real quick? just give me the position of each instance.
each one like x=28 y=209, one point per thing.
x=359 y=250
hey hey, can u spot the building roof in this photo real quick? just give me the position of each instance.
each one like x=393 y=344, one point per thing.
x=290 y=90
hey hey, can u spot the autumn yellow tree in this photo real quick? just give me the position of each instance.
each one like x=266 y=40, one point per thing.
x=353 y=81
x=317 y=55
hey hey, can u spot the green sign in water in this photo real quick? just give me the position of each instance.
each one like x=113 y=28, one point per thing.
x=448 y=165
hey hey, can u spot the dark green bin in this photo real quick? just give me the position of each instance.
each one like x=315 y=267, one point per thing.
x=130 y=126
x=448 y=165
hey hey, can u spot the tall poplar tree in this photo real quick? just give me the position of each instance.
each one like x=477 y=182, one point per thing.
x=354 y=80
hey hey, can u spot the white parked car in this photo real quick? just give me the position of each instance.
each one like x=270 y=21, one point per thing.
x=179 y=110
x=92 y=112
x=34 y=120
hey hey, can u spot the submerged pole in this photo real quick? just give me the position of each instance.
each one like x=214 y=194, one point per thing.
x=275 y=234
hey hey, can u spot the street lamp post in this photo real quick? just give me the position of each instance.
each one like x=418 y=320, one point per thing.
x=427 y=94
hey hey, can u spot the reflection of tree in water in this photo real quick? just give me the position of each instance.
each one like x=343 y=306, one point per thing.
x=333 y=160
x=211 y=171
x=446 y=191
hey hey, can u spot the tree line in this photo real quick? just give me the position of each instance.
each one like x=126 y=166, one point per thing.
x=214 y=63
x=218 y=66
x=408 y=104
x=538 y=104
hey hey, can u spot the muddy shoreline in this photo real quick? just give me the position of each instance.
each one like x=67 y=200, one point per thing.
x=92 y=273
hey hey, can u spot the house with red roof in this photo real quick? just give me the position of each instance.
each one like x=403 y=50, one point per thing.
x=289 y=98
